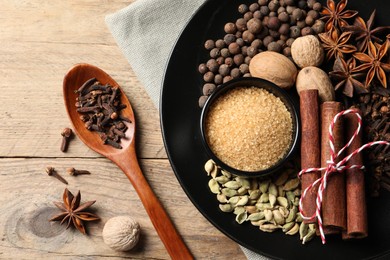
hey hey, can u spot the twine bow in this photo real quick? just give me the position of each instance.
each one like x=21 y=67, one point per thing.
x=333 y=167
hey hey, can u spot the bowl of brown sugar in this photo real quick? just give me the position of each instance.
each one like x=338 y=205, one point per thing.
x=250 y=127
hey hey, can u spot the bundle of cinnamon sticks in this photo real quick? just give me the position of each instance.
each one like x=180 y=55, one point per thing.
x=344 y=204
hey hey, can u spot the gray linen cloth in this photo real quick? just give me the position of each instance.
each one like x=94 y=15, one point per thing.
x=146 y=30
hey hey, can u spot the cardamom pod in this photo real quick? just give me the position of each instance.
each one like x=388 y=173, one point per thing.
x=297 y=192
x=278 y=217
x=263 y=206
x=222 y=198
x=254 y=184
x=226 y=174
x=259 y=222
x=282 y=178
x=293 y=230
x=286 y=227
x=244 y=182
x=263 y=186
x=238 y=210
x=310 y=235
x=292 y=215
x=242 y=191
x=251 y=209
x=226 y=207
x=264 y=198
x=232 y=185
x=281 y=191
x=284 y=211
x=272 y=189
x=222 y=179
x=214 y=186
x=272 y=199
x=240 y=218
x=268 y=215
x=229 y=192
x=254 y=194
x=242 y=201
x=291 y=184
x=269 y=227
x=282 y=201
x=298 y=218
x=234 y=200
x=209 y=167
x=290 y=196
x=303 y=229
x=256 y=216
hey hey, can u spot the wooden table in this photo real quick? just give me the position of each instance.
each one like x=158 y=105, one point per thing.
x=40 y=41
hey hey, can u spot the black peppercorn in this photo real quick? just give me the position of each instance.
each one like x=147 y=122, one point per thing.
x=251 y=52
x=218 y=79
x=229 y=61
x=238 y=59
x=244 y=68
x=284 y=17
x=274 y=46
x=225 y=52
x=295 y=32
x=241 y=24
x=229 y=38
x=247 y=36
x=219 y=43
x=209 y=76
x=254 y=25
x=235 y=73
x=253 y=7
x=202 y=68
x=212 y=65
x=243 y=8
x=209 y=44
x=234 y=48
x=208 y=88
x=273 y=23
x=214 y=53
x=248 y=16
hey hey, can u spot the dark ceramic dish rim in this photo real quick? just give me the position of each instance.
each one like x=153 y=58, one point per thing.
x=275 y=90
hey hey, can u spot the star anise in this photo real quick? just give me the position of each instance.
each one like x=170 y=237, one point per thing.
x=73 y=212
x=347 y=78
x=364 y=32
x=335 y=16
x=335 y=45
x=373 y=63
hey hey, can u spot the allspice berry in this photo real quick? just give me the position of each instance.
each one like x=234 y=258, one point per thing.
x=254 y=25
x=273 y=23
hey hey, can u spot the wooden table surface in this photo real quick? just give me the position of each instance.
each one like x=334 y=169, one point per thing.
x=39 y=42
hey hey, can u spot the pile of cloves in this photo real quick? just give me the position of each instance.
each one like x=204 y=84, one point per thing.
x=375 y=108
x=100 y=109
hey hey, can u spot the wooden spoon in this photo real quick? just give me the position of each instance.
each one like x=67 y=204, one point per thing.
x=125 y=158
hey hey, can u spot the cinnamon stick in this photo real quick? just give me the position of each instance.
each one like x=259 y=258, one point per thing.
x=355 y=187
x=310 y=148
x=333 y=203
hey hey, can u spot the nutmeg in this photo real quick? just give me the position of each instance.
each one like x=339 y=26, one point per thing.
x=307 y=51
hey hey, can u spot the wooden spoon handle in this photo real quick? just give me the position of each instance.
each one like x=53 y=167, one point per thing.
x=160 y=219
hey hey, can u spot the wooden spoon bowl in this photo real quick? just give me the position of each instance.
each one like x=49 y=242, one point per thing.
x=125 y=158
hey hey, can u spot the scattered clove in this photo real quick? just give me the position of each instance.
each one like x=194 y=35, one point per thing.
x=100 y=107
x=66 y=135
x=73 y=172
x=52 y=172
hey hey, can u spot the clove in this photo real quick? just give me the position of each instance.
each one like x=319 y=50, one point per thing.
x=73 y=172
x=52 y=172
x=66 y=135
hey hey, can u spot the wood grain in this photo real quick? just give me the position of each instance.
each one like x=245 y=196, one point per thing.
x=40 y=41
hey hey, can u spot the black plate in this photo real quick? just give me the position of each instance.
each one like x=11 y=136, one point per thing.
x=180 y=126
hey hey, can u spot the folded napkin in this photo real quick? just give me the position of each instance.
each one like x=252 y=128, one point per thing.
x=146 y=32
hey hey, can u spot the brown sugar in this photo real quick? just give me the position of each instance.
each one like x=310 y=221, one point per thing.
x=249 y=128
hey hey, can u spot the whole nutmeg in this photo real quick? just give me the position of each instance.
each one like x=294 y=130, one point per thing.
x=307 y=51
x=121 y=233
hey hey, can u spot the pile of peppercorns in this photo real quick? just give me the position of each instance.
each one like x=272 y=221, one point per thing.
x=271 y=25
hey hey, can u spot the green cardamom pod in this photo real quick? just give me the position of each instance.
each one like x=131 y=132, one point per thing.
x=310 y=235
x=244 y=182
x=209 y=167
x=242 y=191
x=232 y=185
x=272 y=199
x=226 y=173
x=229 y=192
x=254 y=194
x=282 y=201
x=264 y=198
x=251 y=209
x=256 y=216
x=214 y=186
x=268 y=215
x=234 y=200
x=226 y=207
x=286 y=227
x=222 y=198
x=263 y=206
x=269 y=227
x=293 y=230
x=242 y=201
x=263 y=186
x=298 y=218
x=240 y=218
x=303 y=229
x=238 y=210
x=291 y=184
x=282 y=178
x=278 y=217
x=292 y=215
x=284 y=211
x=272 y=189
x=222 y=179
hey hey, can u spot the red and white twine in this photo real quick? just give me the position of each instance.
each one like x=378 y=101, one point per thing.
x=333 y=167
